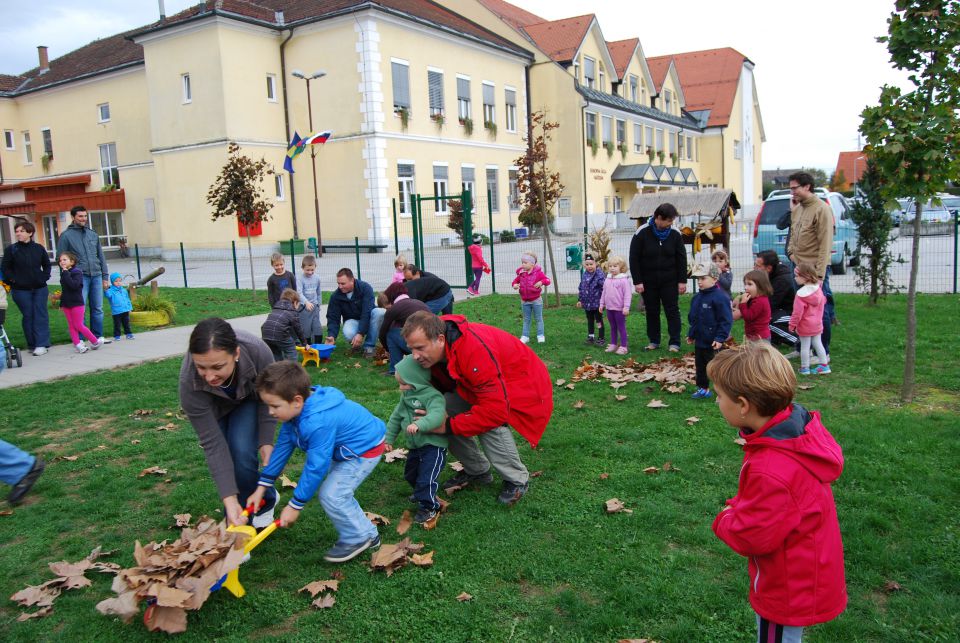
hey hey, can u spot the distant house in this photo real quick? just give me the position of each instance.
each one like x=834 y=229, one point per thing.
x=852 y=164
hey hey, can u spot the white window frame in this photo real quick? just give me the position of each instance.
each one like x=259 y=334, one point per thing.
x=510 y=110
x=689 y=148
x=464 y=105
x=101 y=108
x=659 y=147
x=9 y=139
x=489 y=110
x=589 y=81
x=493 y=188
x=620 y=132
x=648 y=138
x=638 y=138
x=101 y=219
x=436 y=107
x=617 y=204
x=672 y=136
x=187 y=89
x=397 y=106
x=668 y=101
x=406 y=187
x=441 y=188
x=737 y=149
x=601 y=78
x=606 y=129
x=513 y=188
x=279 y=187
x=271 y=88
x=110 y=170
x=576 y=70
x=27 y=148
x=469 y=184
x=606 y=205
x=634 y=84
x=586 y=127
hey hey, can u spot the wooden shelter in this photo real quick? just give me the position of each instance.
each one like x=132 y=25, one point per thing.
x=705 y=213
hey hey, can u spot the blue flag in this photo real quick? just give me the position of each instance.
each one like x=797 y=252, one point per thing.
x=295 y=148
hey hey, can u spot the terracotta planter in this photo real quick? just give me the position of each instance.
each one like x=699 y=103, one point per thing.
x=149 y=318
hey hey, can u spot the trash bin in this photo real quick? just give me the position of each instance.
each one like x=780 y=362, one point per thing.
x=312 y=245
x=297 y=246
x=574 y=257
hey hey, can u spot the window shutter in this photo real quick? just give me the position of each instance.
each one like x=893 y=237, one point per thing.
x=435 y=91
x=404 y=170
x=488 y=95
x=463 y=89
x=401 y=85
x=511 y=97
x=467 y=174
x=439 y=172
x=588 y=68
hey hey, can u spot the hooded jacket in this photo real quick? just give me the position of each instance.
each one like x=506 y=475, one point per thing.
x=783 y=289
x=118 y=297
x=422 y=397
x=710 y=317
x=26 y=266
x=84 y=242
x=329 y=428
x=71 y=291
x=501 y=378
x=784 y=520
x=756 y=318
x=808 y=306
x=283 y=323
x=591 y=287
x=528 y=292
x=617 y=292
x=476 y=257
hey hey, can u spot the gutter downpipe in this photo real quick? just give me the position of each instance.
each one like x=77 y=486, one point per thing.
x=286 y=125
x=583 y=156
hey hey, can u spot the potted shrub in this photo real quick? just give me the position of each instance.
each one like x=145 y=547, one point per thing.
x=594 y=146
x=609 y=147
x=491 y=127
x=404 y=114
x=45 y=161
x=467 y=125
x=660 y=156
x=438 y=119
x=673 y=157
x=152 y=310
x=650 y=153
x=623 y=150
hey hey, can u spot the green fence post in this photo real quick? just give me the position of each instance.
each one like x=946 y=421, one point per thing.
x=356 y=250
x=423 y=255
x=136 y=253
x=293 y=259
x=416 y=230
x=956 y=225
x=183 y=264
x=396 y=230
x=236 y=273
x=493 y=268
x=466 y=204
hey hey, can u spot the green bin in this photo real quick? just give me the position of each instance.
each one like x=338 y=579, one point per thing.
x=298 y=246
x=574 y=257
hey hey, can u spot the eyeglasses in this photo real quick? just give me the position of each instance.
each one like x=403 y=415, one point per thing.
x=795 y=187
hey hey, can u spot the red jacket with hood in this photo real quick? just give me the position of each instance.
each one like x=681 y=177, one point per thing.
x=501 y=378
x=784 y=520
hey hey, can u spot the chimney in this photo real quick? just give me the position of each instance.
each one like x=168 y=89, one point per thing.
x=163 y=12
x=44 y=61
x=278 y=17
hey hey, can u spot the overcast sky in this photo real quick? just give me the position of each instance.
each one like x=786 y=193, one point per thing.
x=817 y=63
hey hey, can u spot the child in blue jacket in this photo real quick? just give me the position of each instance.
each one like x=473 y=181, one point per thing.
x=710 y=321
x=591 y=287
x=343 y=442
x=120 y=306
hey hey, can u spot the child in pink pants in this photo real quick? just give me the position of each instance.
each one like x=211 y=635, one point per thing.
x=72 y=304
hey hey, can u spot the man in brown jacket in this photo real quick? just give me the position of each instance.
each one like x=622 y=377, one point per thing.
x=811 y=238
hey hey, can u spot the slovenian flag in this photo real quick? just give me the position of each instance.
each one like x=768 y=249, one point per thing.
x=295 y=148
x=317 y=139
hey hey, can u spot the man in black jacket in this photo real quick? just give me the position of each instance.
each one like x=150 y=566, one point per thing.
x=430 y=289
x=781 y=301
x=658 y=265
x=352 y=303
x=26 y=268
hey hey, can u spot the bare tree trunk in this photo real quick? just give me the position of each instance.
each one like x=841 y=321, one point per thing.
x=253 y=284
x=874 y=278
x=910 y=357
x=545 y=217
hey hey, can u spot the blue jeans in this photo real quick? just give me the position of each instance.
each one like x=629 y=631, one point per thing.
x=93 y=295
x=14 y=463
x=532 y=308
x=422 y=469
x=239 y=428
x=441 y=305
x=352 y=326
x=33 y=308
x=397 y=347
x=336 y=497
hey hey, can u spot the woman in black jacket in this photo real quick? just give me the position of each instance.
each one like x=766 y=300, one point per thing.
x=26 y=268
x=658 y=265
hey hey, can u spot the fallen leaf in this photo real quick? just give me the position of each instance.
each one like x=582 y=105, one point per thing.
x=183 y=520
x=286 y=482
x=169 y=426
x=391 y=557
x=39 y=595
x=6 y=512
x=616 y=386
x=604 y=476
x=324 y=370
x=357 y=365
x=134 y=441
x=377 y=519
x=636 y=641
x=68 y=458
x=657 y=404
x=651 y=470
x=561 y=382
x=675 y=388
x=668 y=466
x=319 y=586
x=456 y=465
x=40 y=613
x=422 y=560
x=139 y=413
x=405 y=523
x=892 y=586
x=337 y=574
x=463 y=596
x=579 y=404
x=692 y=420
x=443 y=504
x=168 y=481
x=740 y=441
x=125 y=606
x=614 y=505
x=619 y=398
x=806 y=387
x=171 y=620
x=570 y=387
x=536 y=474
x=324 y=602
x=396 y=454
x=169 y=414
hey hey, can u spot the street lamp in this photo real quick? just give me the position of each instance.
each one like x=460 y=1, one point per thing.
x=313 y=152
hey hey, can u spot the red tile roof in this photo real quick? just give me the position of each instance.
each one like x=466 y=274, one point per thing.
x=845 y=163
x=658 y=70
x=9 y=83
x=622 y=51
x=560 y=39
x=709 y=79
x=511 y=14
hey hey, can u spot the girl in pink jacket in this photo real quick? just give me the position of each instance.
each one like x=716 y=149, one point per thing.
x=477 y=263
x=530 y=281
x=807 y=318
x=615 y=299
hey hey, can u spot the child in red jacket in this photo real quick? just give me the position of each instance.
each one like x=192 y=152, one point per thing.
x=753 y=306
x=477 y=263
x=783 y=518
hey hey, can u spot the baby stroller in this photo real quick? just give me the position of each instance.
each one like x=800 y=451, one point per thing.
x=10 y=352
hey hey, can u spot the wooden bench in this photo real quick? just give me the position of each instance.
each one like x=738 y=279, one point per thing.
x=370 y=248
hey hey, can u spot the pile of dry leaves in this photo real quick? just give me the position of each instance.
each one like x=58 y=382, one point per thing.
x=69 y=576
x=175 y=577
x=671 y=373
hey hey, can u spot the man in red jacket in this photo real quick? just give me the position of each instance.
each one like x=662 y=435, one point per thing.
x=491 y=381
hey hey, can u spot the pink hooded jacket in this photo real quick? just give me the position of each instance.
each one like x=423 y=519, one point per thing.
x=526 y=280
x=807 y=315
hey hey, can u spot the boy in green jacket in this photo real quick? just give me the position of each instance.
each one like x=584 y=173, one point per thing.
x=428 y=450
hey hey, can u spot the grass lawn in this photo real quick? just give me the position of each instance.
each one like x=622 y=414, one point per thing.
x=555 y=566
x=193 y=304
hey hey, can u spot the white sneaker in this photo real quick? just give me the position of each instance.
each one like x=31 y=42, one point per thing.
x=82 y=348
x=40 y=350
x=792 y=355
x=524 y=339
x=263 y=520
x=541 y=339
x=97 y=344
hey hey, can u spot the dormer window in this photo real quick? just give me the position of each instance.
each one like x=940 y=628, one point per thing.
x=589 y=72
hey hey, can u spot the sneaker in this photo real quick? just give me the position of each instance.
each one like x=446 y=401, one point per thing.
x=81 y=347
x=674 y=348
x=116 y=338
x=413 y=498
x=541 y=339
x=130 y=336
x=424 y=515
x=822 y=369
x=368 y=353
x=601 y=341
x=610 y=348
x=622 y=350
x=265 y=516
x=463 y=478
x=342 y=552
x=512 y=492
x=23 y=487
x=702 y=394
x=792 y=355
x=651 y=347
x=40 y=350
x=524 y=339
x=97 y=344
x=814 y=360
x=591 y=340
x=805 y=371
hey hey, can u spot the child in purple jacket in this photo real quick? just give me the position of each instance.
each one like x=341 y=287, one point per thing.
x=616 y=297
x=530 y=281
x=591 y=288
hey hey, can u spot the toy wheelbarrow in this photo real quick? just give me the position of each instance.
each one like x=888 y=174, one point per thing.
x=231 y=580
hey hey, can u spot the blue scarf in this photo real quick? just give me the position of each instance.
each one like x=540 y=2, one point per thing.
x=661 y=234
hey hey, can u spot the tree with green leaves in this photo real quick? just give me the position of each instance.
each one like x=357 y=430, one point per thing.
x=238 y=192
x=874 y=225
x=913 y=137
x=838 y=181
x=539 y=188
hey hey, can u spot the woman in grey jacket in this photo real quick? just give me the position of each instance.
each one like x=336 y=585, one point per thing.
x=218 y=395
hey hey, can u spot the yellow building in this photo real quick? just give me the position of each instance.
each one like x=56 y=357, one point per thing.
x=419 y=99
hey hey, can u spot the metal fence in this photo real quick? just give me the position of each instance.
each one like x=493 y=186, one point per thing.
x=444 y=255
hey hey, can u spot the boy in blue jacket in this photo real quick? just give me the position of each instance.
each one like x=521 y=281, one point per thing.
x=120 y=306
x=343 y=442
x=710 y=322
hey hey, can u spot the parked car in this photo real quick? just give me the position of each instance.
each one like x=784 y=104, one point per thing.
x=821 y=191
x=899 y=213
x=934 y=211
x=952 y=204
x=767 y=236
